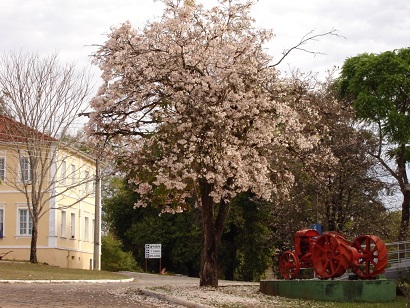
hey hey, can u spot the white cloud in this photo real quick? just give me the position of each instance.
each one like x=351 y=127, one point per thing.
x=72 y=27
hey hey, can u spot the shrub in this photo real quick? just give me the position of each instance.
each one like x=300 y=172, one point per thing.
x=113 y=258
x=403 y=286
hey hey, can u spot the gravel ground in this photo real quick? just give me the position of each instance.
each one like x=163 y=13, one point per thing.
x=185 y=292
x=229 y=296
x=146 y=290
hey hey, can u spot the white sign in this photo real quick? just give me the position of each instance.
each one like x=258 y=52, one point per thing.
x=152 y=251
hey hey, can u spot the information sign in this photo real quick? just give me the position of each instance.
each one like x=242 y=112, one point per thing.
x=152 y=251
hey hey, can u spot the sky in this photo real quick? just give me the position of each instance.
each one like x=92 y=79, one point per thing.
x=73 y=28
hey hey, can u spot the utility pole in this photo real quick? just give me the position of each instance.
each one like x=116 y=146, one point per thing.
x=97 y=223
x=97 y=212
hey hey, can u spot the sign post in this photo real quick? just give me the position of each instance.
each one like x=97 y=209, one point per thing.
x=153 y=251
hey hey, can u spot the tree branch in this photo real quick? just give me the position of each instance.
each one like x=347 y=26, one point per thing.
x=306 y=39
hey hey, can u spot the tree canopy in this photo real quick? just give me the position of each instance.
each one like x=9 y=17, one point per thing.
x=378 y=86
x=192 y=103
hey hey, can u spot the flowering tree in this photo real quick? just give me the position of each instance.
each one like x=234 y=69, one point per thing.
x=193 y=106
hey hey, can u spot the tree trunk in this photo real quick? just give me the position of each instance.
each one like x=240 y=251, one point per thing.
x=211 y=236
x=341 y=208
x=405 y=214
x=331 y=215
x=208 y=275
x=33 y=247
x=330 y=208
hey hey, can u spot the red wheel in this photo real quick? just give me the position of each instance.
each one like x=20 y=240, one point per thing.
x=289 y=265
x=371 y=258
x=331 y=256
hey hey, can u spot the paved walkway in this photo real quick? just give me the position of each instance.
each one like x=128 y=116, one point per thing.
x=61 y=295
x=86 y=294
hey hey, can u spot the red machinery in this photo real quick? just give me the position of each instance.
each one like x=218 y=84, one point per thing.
x=331 y=255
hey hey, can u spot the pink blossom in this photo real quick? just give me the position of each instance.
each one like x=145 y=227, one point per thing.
x=193 y=97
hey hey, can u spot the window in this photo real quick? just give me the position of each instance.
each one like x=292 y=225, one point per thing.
x=72 y=174
x=86 y=229
x=1 y=223
x=63 y=223
x=86 y=180
x=2 y=168
x=63 y=172
x=25 y=172
x=72 y=226
x=25 y=223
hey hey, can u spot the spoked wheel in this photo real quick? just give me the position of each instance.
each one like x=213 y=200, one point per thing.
x=289 y=265
x=331 y=256
x=372 y=256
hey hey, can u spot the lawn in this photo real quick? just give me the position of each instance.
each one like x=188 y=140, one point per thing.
x=28 y=271
x=398 y=303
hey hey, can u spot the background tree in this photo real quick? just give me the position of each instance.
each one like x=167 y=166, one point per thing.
x=42 y=99
x=351 y=194
x=378 y=87
x=348 y=196
x=179 y=235
x=246 y=244
x=192 y=103
x=350 y=190
x=3 y=106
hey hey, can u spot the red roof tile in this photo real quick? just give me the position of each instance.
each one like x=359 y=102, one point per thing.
x=13 y=131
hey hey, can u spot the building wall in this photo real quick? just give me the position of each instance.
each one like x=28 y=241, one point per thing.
x=65 y=244
x=65 y=258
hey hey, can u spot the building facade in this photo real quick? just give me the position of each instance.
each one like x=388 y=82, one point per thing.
x=64 y=179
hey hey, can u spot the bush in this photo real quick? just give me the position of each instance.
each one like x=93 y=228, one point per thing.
x=113 y=258
x=403 y=286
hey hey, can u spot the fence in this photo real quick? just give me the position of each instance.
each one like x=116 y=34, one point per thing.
x=398 y=254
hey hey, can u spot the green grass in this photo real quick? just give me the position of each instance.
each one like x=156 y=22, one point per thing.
x=29 y=271
x=400 y=302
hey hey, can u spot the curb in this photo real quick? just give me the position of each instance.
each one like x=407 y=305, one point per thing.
x=69 y=281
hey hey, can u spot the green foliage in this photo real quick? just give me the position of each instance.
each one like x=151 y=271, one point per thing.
x=118 y=212
x=113 y=258
x=391 y=220
x=379 y=86
x=179 y=235
x=246 y=246
x=77 y=141
x=404 y=287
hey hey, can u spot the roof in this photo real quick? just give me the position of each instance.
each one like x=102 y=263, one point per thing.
x=14 y=131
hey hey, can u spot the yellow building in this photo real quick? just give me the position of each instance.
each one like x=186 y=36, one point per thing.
x=66 y=178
